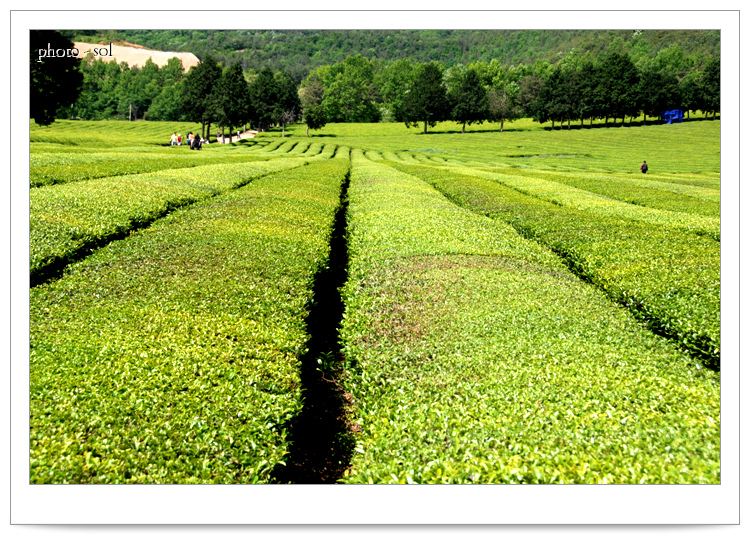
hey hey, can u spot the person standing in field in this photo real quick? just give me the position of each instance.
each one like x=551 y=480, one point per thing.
x=644 y=167
x=174 y=138
x=179 y=139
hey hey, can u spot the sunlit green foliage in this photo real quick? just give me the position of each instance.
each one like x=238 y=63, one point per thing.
x=670 y=279
x=68 y=219
x=483 y=333
x=55 y=164
x=172 y=356
x=475 y=356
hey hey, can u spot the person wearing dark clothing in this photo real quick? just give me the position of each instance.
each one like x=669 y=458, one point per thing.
x=644 y=167
x=196 y=144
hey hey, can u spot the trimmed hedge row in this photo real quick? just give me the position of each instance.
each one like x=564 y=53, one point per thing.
x=474 y=355
x=313 y=149
x=70 y=219
x=648 y=193
x=586 y=201
x=328 y=151
x=172 y=356
x=60 y=166
x=668 y=278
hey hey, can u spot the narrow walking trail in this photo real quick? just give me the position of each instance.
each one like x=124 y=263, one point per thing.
x=322 y=441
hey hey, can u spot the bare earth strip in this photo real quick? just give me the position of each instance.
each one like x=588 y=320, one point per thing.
x=136 y=56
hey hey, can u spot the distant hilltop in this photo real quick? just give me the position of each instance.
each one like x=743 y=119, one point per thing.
x=135 y=55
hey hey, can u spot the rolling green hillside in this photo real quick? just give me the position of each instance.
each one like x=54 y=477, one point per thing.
x=298 y=52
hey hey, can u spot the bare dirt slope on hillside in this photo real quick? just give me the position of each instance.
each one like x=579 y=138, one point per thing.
x=135 y=55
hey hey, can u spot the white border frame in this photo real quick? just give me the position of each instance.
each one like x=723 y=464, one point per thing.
x=270 y=504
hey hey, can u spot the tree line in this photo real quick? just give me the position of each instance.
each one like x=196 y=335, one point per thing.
x=298 y=52
x=575 y=88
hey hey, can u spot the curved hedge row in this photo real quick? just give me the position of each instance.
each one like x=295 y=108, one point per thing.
x=54 y=165
x=669 y=278
x=586 y=201
x=651 y=193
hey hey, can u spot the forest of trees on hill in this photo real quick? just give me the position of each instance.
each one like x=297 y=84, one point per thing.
x=449 y=76
x=298 y=52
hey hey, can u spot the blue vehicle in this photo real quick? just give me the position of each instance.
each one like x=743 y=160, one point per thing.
x=672 y=116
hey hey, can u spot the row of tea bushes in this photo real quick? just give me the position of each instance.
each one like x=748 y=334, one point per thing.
x=578 y=199
x=109 y=133
x=328 y=151
x=668 y=278
x=313 y=149
x=50 y=165
x=284 y=147
x=474 y=355
x=70 y=219
x=172 y=356
x=649 y=193
x=299 y=149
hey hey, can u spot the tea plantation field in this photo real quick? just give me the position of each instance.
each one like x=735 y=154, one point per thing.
x=518 y=307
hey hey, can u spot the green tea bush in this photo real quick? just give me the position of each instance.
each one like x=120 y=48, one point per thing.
x=110 y=133
x=69 y=219
x=475 y=356
x=564 y=195
x=284 y=148
x=313 y=149
x=651 y=193
x=342 y=152
x=51 y=165
x=667 y=278
x=299 y=149
x=329 y=149
x=172 y=356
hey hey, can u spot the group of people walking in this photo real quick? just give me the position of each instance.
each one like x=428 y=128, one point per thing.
x=194 y=141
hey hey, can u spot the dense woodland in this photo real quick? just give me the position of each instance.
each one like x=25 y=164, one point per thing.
x=262 y=78
x=297 y=53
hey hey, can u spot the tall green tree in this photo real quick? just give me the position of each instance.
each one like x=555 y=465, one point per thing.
x=427 y=100
x=263 y=97
x=288 y=107
x=529 y=86
x=314 y=117
x=98 y=97
x=167 y=106
x=311 y=91
x=232 y=98
x=502 y=103
x=350 y=97
x=394 y=82
x=197 y=93
x=659 y=92
x=55 y=81
x=620 y=83
x=551 y=103
x=711 y=86
x=571 y=87
x=468 y=99
x=136 y=89
x=590 y=101
x=171 y=73
x=691 y=96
